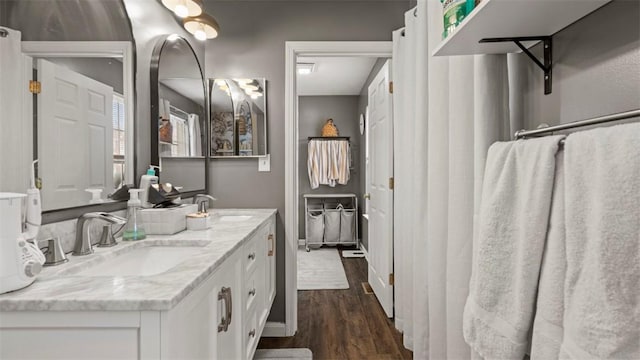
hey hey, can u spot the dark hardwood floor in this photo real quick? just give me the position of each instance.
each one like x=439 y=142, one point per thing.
x=343 y=324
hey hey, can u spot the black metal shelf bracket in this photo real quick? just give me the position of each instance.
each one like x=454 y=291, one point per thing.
x=547 y=44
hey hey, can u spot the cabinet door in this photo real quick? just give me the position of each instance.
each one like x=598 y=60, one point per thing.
x=229 y=340
x=192 y=330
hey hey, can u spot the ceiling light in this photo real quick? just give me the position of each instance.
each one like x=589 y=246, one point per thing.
x=173 y=37
x=306 y=68
x=203 y=27
x=241 y=82
x=252 y=85
x=184 y=8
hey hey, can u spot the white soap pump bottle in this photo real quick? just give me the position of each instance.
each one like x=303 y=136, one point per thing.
x=134 y=230
x=145 y=182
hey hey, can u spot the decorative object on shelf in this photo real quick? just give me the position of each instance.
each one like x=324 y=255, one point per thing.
x=184 y=8
x=203 y=26
x=329 y=129
x=453 y=12
x=165 y=131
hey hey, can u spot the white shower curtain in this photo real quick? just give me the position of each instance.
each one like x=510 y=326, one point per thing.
x=195 y=137
x=447 y=111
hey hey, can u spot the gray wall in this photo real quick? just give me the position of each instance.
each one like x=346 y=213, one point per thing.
x=363 y=102
x=596 y=68
x=313 y=112
x=252 y=44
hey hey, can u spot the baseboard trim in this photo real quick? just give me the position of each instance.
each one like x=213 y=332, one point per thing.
x=274 y=329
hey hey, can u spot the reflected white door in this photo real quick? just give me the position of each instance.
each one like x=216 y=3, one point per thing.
x=75 y=136
x=381 y=194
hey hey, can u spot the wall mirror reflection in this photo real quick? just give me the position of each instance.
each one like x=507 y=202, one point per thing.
x=79 y=115
x=238 y=117
x=178 y=100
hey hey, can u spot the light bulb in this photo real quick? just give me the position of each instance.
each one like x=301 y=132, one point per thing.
x=254 y=96
x=181 y=10
x=200 y=35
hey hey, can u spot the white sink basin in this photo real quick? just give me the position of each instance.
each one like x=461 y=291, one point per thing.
x=234 y=218
x=145 y=261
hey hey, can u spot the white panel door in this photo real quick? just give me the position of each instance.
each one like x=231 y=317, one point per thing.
x=381 y=195
x=75 y=136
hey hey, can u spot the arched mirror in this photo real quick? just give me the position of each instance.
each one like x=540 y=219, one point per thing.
x=238 y=117
x=178 y=114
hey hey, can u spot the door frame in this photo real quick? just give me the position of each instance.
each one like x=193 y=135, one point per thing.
x=100 y=49
x=293 y=50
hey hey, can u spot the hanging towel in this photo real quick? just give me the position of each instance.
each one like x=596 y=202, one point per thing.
x=313 y=164
x=547 y=326
x=512 y=226
x=602 y=289
x=344 y=162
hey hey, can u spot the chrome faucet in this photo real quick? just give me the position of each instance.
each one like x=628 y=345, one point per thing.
x=203 y=202
x=83 y=238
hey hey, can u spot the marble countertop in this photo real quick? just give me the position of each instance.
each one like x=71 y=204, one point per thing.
x=60 y=288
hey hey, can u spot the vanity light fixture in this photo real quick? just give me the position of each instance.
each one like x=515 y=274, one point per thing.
x=184 y=8
x=203 y=27
x=306 y=68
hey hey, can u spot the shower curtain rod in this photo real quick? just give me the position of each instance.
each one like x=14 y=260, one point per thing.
x=521 y=134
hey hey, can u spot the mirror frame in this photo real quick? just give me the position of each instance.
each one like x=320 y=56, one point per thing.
x=211 y=82
x=124 y=49
x=154 y=109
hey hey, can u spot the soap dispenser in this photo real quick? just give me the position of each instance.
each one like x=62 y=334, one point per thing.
x=133 y=229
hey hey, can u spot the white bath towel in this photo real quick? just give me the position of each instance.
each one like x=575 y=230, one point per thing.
x=602 y=289
x=512 y=227
x=547 y=326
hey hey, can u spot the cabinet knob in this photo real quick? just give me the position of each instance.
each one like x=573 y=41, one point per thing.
x=252 y=292
x=252 y=333
x=252 y=256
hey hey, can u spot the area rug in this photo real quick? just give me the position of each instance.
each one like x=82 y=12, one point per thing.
x=283 y=354
x=320 y=269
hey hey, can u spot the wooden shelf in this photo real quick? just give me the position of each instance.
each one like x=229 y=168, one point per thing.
x=513 y=18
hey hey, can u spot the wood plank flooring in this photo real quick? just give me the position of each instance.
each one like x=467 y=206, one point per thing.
x=343 y=324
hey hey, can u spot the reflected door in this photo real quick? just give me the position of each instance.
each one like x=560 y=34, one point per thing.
x=75 y=136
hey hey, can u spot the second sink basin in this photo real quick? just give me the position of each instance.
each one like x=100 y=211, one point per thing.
x=144 y=261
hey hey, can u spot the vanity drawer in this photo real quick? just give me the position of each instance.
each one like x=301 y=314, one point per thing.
x=254 y=290
x=251 y=333
x=251 y=255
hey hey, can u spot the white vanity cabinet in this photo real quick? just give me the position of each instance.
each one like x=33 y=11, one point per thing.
x=221 y=318
x=206 y=324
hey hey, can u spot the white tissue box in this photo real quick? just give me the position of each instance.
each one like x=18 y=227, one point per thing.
x=166 y=221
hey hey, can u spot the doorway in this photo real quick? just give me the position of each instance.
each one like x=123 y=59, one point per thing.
x=294 y=52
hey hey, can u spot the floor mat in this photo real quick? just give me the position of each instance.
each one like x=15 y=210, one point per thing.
x=352 y=254
x=321 y=269
x=283 y=354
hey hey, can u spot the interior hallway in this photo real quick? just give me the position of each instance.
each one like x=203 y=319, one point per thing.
x=343 y=324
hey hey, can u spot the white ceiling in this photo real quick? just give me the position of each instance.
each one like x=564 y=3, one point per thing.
x=335 y=75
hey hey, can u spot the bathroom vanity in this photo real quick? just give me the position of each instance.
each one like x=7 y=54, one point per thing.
x=193 y=295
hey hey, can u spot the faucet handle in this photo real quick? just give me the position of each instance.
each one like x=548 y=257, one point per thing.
x=54 y=255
